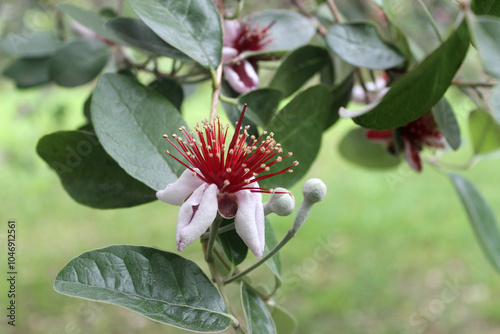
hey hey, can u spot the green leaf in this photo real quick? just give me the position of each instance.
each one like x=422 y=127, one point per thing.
x=418 y=91
x=137 y=34
x=159 y=285
x=274 y=263
x=284 y=321
x=169 y=89
x=193 y=27
x=130 y=120
x=447 y=123
x=89 y=175
x=360 y=45
x=234 y=247
x=298 y=128
x=289 y=30
x=485 y=32
x=257 y=316
x=38 y=44
x=262 y=104
x=484 y=132
x=78 y=62
x=486 y=7
x=495 y=103
x=91 y=20
x=356 y=148
x=27 y=72
x=298 y=67
x=481 y=217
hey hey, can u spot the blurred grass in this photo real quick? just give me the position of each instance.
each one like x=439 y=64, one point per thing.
x=396 y=240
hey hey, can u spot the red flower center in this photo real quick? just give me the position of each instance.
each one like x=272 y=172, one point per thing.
x=233 y=168
x=252 y=38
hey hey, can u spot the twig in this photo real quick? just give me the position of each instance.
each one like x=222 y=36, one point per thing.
x=334 y=10
x=300 y=5
x=431 y=19
x=473 y=84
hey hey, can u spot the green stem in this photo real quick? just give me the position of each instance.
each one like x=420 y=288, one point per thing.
x=211 y=239
x=431 y=19
x=229 y=100
x=290 y=234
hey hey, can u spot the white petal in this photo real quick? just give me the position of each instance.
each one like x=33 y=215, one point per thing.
x=249 y=221
x=177 y=192
x=231 y=31
x=243 y=82
x=228 y=53
x=196 y=215
x=234 y=80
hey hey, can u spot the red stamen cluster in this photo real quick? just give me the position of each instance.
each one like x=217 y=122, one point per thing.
x=233 y=168
x=252 y=38
x=423 y=131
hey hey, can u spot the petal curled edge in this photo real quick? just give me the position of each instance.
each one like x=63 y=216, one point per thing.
x=242 y=77
x=177 y=192
x=249 y=221
x=196 y=215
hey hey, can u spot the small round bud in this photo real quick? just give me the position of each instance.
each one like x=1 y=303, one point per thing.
x=314 y=190
x=281 y=202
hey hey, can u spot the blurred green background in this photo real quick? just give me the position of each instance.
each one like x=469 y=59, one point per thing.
x=386 y=252
x=377 y=256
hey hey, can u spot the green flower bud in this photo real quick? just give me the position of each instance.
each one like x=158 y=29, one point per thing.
x=281 y=202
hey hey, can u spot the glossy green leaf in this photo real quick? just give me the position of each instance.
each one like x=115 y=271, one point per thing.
x=298 y=67
x=481 y=217
x=137 y=34
x=193 y=27
x=485 y=7
x=289 y=30
x=169 y=89
x=89 y=175
x=418 y=91
x=298 y=128
x=159 y=285
x=447 y=123
x=485 y=32
x=495 y=103
x=284 y=321
x=356 y=148
x=360 y=45
x=27 y=72
x=130 y=120
x=274 y=263
x=78 y=62
x=37 y=44
x=262 y=104
x=234 y=247
x=257 y=316
x=484 y=132
x=91 y=20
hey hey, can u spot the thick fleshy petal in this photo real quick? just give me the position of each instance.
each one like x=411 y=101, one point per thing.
x=196 y=214
x=177 y=192
x=242 y=77
x=231 y=31
x=249 y=221
x=228 y=53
